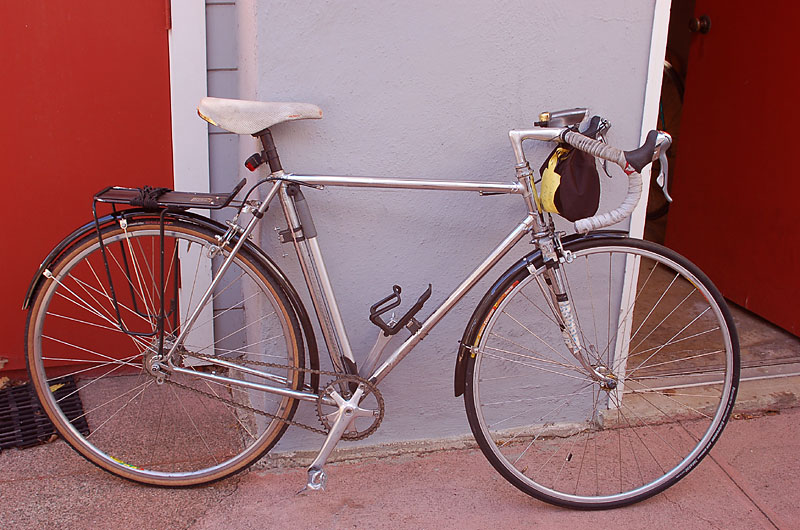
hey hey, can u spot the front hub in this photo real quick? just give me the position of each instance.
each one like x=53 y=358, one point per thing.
x=609 y=378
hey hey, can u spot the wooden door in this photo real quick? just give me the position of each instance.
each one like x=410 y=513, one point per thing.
x=736 y=184
x=85 y=104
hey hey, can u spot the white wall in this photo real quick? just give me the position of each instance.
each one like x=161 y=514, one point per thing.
x=428 y=89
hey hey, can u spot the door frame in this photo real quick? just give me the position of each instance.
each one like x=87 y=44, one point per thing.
x=188 y=72
x=188 y=84
x=652 y=97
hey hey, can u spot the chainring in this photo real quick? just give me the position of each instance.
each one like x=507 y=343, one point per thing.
x=371 y=395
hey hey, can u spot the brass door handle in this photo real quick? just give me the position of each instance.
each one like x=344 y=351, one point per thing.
x=700 y=25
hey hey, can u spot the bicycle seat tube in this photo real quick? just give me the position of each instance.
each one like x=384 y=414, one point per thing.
x=304 y=237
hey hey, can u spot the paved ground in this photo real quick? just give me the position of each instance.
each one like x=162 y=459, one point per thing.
x=750 y=480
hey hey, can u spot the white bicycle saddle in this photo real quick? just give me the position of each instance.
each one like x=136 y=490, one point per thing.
x=250 y=117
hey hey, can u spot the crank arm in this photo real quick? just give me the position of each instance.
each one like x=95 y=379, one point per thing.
x=345 y=416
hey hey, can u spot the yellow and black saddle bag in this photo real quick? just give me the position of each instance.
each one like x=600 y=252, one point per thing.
x=570 y=183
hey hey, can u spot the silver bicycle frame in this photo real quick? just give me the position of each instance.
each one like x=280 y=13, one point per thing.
x=319 y=284
x=316 y=274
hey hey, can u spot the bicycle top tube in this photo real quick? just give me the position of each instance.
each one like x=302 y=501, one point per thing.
x=544 y=134
x=413 y=184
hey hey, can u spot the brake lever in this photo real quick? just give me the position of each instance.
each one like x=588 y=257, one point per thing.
x=605 y=125
x=663 y=143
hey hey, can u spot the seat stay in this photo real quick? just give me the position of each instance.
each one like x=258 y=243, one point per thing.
x=187 y=326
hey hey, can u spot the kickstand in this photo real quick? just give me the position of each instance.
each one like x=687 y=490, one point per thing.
x=347 y=413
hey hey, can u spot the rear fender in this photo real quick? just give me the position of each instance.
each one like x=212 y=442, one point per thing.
x=89 y=229
x=66 y=244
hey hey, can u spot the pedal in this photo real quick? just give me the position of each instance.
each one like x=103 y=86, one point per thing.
x=392 y=301
x=317 y=479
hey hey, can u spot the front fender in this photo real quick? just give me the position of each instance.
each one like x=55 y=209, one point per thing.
x=500 y=286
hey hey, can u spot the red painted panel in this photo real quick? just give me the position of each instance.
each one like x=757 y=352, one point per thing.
x=85 y=104
x=736 y=184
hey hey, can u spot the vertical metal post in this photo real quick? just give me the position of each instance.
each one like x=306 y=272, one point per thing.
x=319 y=287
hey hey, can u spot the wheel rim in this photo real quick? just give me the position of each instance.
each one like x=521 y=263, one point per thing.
x=187 y=430
x=564 y=438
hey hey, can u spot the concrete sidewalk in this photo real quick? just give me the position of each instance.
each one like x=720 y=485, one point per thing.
x=750 y=480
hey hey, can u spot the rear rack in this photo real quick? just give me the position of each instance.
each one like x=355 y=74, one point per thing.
x=170 y=199
x=164 y=201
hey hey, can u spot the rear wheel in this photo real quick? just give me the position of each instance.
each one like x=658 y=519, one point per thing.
x=566 y=438
x=98 y=384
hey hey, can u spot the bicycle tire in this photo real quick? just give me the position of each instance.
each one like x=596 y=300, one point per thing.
x=558 y=435
x=186 y=431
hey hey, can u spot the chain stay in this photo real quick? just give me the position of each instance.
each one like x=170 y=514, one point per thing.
x=285 y=367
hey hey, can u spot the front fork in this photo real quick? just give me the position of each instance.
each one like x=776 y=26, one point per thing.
x=556 y=285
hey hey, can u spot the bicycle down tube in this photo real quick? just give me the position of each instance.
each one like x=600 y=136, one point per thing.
x=315 y=272
x=319 y=284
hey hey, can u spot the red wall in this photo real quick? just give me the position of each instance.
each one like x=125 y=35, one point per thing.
x=84 y=101
x=735 y=183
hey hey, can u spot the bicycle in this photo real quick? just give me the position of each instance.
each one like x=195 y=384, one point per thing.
x=597 y=371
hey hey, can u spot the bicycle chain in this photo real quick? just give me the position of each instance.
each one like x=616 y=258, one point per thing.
x=287 y=421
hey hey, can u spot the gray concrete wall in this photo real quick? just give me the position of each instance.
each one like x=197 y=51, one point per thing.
x=427 y=89
x=222 y=57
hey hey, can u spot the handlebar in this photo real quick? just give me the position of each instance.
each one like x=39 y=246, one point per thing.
x=631 y=162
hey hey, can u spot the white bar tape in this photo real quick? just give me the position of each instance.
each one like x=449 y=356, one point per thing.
x=612 y=154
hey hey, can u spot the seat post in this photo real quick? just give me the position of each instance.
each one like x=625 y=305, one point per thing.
x=270 y=150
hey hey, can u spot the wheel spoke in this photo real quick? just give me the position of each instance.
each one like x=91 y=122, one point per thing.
x=534 y=357
x=540 y=368
x=540 y=339
x=610 y=442
x=140 y=418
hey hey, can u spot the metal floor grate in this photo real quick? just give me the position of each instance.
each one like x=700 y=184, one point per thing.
x=23 y=423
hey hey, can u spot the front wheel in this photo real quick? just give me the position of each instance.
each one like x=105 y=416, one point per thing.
x=662 y=335
x=93 y=362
